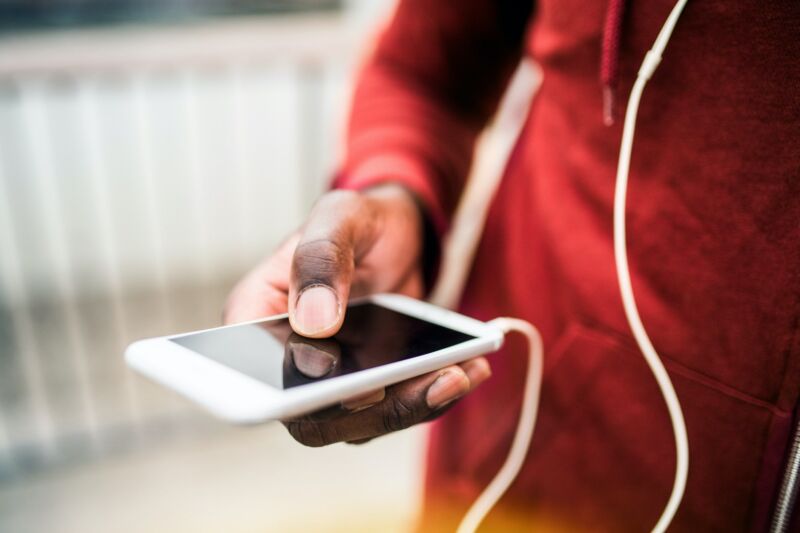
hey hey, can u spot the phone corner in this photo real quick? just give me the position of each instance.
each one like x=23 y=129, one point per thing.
x=132 y=352
x=498 y=338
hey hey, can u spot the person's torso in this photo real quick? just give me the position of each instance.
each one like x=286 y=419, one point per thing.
x=713 y=221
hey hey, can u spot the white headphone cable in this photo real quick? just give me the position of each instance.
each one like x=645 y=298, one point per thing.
x=649 y=65
x=530 y=401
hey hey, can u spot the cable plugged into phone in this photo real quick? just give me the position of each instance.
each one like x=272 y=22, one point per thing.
x=525 y=425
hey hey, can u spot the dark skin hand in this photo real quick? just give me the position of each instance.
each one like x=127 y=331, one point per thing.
x=353 y=244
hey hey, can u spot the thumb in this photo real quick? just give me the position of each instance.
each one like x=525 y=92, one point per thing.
x=322 y=267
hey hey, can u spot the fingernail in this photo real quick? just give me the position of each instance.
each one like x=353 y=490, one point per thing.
x=477 y=370
x=447 y=387
x=359 y=403
x=317 y=309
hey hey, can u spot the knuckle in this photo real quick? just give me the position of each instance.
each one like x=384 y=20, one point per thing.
x=309 y=433
x=320 y=260
x=397 y=415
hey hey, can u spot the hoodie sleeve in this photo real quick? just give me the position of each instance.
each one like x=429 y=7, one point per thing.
x=434 y=79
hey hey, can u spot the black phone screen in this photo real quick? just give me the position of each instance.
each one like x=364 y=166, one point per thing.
x=272 y=353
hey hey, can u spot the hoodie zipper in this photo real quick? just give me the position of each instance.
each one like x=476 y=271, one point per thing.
x=789 y=487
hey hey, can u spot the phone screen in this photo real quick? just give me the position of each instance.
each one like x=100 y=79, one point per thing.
x=272 y=353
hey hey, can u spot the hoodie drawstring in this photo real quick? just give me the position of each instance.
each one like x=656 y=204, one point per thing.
x=609 y=59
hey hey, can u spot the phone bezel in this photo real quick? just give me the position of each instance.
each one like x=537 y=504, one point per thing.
x=239 y=398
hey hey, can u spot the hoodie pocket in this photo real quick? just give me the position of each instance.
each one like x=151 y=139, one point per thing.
x=603 y=455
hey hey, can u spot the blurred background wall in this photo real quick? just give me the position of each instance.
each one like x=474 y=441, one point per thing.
x=150 y=154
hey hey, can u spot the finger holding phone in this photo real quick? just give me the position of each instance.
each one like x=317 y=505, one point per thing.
x=353 y=244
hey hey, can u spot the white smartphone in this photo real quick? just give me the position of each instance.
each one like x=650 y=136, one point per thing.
x=261 y=370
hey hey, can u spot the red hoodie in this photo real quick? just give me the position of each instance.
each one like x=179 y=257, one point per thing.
x=713 y=235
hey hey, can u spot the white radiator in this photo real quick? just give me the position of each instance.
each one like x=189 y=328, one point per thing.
x=142 y=172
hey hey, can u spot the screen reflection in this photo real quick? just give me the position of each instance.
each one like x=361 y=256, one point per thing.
x=370 y=336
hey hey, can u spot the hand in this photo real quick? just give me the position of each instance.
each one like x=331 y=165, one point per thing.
x=352 y=244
